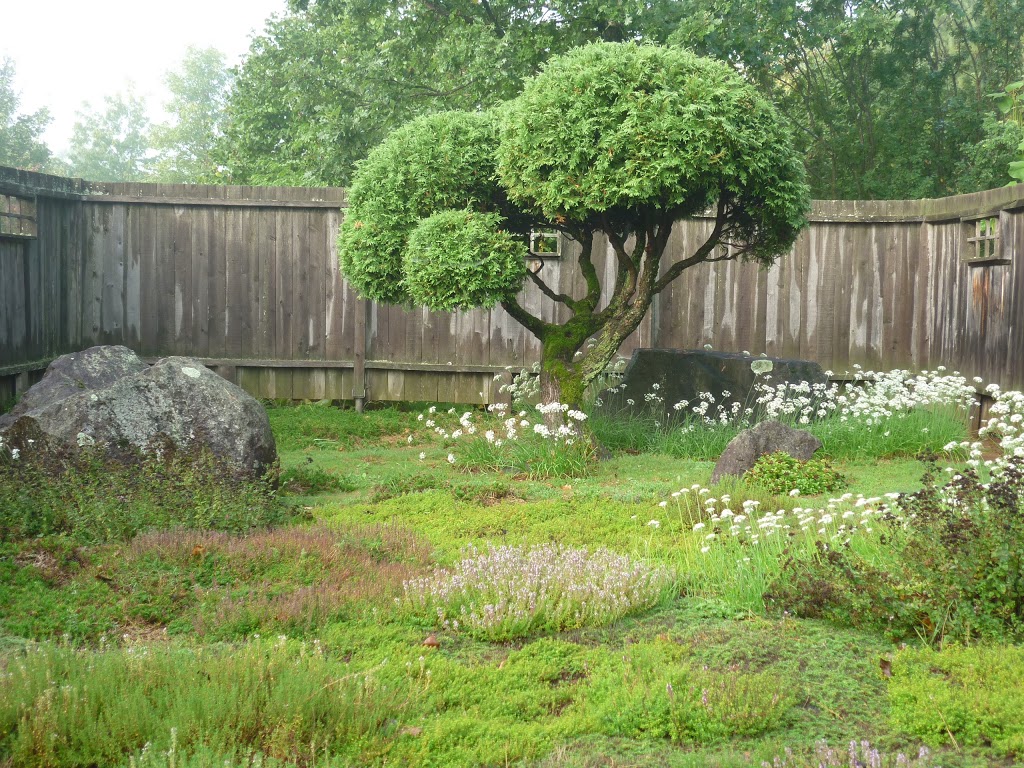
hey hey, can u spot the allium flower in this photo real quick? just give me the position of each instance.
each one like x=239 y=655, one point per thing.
x=451 y=458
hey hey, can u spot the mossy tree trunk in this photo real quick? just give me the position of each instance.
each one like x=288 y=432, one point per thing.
x=568 y=363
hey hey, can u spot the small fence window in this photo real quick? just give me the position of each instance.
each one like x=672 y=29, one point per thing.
x=545 y=245
x=981 y=241
x=17 y=216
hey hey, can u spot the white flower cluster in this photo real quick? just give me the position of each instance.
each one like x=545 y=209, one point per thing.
x=716 y=520
x=507 y=591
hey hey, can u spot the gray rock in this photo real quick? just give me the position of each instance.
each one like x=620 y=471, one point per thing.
x=684 y=374
x=751 y=444
x=114 y=400
x=91 y=369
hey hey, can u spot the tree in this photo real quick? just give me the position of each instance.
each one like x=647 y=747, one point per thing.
x=620 y=140
x=331 y=79
x=112 y=145
x=185 y=146
x=20 y=144
x=886 y=95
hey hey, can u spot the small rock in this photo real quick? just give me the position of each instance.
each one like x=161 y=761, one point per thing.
x=410 y=730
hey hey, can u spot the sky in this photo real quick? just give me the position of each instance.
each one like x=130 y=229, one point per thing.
x=69 y=51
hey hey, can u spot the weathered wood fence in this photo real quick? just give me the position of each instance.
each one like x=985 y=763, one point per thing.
x=246 y=278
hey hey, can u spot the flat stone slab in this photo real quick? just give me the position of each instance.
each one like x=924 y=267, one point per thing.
x=684 y=374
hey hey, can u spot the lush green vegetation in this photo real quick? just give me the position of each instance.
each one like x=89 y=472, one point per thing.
x=336 y=634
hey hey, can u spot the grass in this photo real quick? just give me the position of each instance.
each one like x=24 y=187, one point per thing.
x=285 y=645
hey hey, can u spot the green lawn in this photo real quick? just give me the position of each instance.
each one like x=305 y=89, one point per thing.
x=295 y=645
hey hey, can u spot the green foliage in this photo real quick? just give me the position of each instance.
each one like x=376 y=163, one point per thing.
x=20 y=144
x=433 y=164
x=955 y=568
x=709 y=706
x=780 y=473
x=961 y=697
x=328 y=81
x=307 y=479
x=611 y=138
x=61 y=707
x=531 y=455
x=623 y=129
x=886 y=96
x=319 y=426
x=984 y=165
x=442 y=267
x=91 y=498
x=185 y=146
x=111 y=144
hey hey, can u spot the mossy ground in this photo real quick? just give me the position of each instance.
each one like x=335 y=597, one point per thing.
x=327 y=584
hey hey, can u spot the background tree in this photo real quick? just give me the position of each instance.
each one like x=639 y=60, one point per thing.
x=184 y=146
x=112 y=145
x=332 y=78
x=20 y=144
x=615 y=139
x=886 y=95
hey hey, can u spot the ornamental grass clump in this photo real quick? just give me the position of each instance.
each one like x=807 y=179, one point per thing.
x=509 y=592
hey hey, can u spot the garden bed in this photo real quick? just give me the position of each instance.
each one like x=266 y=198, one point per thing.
x=426 y=598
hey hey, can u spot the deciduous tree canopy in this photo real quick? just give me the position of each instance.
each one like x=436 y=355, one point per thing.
x=886 y=95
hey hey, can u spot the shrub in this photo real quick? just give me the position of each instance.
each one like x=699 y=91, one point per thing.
x=707 y=706
x=856 y=755
x=94 y=498
x=68 y=708
x=508 y=592
x=957 y=564
x=960 y=696
x=780 y=473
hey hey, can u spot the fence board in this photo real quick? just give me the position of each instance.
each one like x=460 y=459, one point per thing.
x=249 y=273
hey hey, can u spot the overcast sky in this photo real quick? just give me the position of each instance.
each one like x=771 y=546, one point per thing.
x=69 y=51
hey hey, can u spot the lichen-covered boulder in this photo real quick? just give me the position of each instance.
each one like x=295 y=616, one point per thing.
x=748 y=446
x=108 y=398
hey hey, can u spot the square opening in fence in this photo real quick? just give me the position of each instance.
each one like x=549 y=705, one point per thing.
x=981 y=241
x=545 y=245
x=17 y=216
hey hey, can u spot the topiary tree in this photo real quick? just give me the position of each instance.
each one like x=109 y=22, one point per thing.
x=616 y=139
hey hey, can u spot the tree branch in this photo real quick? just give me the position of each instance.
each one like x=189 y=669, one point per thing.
x=533 y=324
x=702 y=253
x=586 y=264
x=547 y=291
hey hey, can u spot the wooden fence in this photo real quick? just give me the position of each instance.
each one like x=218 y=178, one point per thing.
x=246 y=279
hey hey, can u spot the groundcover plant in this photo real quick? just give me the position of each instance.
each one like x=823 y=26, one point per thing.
x=457 y=586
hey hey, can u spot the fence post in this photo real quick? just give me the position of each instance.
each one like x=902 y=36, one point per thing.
x=359 y=348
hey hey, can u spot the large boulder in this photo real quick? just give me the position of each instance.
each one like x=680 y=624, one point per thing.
x=748 y=446
x=109 y=398
x=675 y=375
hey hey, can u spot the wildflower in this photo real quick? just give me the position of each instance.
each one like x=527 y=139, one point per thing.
x=654 y=523
x=451 y=458
x=795 y=492
x=423 y=455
